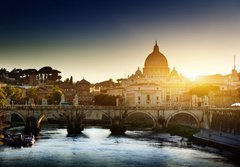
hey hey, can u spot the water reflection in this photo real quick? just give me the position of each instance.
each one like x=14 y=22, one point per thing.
x=96 y=133
x=96 y=147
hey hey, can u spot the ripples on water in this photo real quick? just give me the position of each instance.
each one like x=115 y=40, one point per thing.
x=95 y=147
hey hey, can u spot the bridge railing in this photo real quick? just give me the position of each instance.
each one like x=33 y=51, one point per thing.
x=56 y=107
x=94 y=107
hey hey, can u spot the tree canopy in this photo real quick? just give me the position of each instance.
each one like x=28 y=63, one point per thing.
x=15 y=94
x=3 y=99
x=32 y=93
x=54 y=97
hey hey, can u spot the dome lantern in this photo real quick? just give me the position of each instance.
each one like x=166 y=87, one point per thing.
x=156 y=48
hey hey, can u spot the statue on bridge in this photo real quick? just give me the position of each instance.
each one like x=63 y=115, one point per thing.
x=62 y=101
x=30 y=101
x=75 y=100
x=8 y=101
x=44 y=102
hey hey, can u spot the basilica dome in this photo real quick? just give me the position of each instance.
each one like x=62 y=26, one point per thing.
x=156 y=64
x=156 y=59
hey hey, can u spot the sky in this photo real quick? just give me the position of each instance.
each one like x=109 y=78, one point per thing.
x=99 y=40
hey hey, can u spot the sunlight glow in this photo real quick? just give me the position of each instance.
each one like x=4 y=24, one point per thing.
x=192 y=77
x=93 y=133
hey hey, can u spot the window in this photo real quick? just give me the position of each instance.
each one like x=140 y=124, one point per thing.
x=148 y=99
x=139 y=99
x=167 y=97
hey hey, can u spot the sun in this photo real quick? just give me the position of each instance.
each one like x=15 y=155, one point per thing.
x=192 y=77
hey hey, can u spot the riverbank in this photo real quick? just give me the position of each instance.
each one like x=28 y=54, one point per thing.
x=216 y=139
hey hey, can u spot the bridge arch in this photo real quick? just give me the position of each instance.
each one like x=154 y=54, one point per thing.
x=143 y=112
x=183 y=112
x=18 y=114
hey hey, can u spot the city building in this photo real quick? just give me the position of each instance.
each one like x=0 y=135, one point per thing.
x=68 y=89
x=102 y=87
x=155 y=85
x=229 y=88
x=83 y=92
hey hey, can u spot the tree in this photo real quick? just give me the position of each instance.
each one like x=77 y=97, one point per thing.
x=16 y=74
x=3 y=99
x=9 y=90
x=15 y=94
x=32 y=93
x=54 y=97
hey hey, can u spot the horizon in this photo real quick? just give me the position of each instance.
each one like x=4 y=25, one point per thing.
x=103 y=40
x=190 y=77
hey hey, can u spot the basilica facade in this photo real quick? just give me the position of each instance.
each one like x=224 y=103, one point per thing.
x=154 y=85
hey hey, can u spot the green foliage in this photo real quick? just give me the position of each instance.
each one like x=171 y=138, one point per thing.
x=54 y=97
x=15 y=94
x=9 y=90
x=32 y=93
x=181 y=130
x=203 y=90
x=3 y=99
x=105 y=100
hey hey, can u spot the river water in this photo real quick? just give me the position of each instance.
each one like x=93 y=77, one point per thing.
x=95 y=147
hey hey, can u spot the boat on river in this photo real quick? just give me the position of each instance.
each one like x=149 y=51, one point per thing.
x=18 y=140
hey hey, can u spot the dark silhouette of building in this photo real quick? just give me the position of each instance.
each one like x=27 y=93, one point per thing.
x=83 y=91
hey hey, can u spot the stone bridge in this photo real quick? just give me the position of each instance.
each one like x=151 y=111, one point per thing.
x=32 y=116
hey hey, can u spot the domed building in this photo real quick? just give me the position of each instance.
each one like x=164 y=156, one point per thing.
x=156 y=64
x=154 y=86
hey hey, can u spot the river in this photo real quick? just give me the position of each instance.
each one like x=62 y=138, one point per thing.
x=95 y=147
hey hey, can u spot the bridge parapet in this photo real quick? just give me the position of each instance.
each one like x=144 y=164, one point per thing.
x=93 y=107
x=225 y=109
